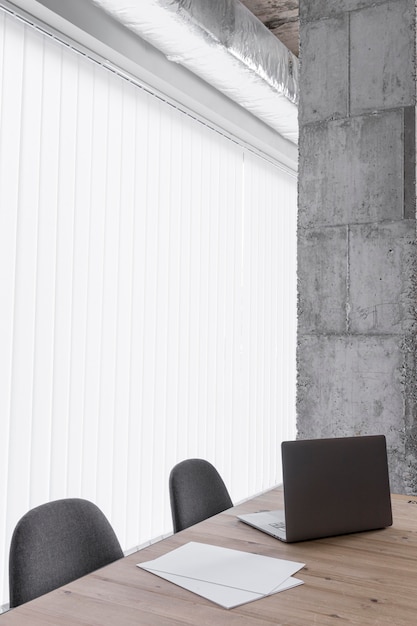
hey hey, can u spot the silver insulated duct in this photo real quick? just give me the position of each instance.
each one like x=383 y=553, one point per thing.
x=223 y=43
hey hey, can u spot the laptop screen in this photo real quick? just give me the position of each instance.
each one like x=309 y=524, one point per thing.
x=335 y=486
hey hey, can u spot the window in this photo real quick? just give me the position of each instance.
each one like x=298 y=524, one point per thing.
x=148 y=289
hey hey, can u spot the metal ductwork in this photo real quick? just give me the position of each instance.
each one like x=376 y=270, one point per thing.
x=223 y=43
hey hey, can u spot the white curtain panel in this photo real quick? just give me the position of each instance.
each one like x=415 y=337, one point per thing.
x=147 y=295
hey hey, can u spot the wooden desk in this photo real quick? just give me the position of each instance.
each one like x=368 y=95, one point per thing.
x=366 y=578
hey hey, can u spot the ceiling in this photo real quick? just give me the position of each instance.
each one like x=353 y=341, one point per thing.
x=280 y=16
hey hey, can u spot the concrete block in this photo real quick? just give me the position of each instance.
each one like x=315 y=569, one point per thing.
x=352 y=170
x=409 y=162
x=382 y=57
x=317 y=9
x=353 y=385
x=324 y=70
x=322 y=280
x=383 y=278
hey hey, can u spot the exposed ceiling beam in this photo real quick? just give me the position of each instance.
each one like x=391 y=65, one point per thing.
x=280 y=16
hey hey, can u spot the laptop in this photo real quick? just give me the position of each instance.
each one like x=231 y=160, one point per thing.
x=331 y=487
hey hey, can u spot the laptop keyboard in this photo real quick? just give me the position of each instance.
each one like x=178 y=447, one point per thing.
x=279 y=525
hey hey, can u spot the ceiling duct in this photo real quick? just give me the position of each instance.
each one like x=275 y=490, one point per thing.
x=223 y=43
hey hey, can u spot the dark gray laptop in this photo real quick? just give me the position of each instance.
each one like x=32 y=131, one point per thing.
x=331 y=487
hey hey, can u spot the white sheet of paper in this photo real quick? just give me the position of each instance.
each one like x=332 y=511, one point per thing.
x=228 y=577
x=227 y=597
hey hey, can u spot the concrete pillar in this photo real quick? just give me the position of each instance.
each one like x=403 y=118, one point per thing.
x=357 y=283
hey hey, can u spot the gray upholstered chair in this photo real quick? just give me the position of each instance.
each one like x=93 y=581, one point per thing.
x=197 y=492
x=56 y=543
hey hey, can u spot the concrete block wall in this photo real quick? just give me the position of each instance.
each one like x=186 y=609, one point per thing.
x=357 y=259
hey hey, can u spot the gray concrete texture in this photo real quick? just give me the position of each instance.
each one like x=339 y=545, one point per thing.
x=351 y=170
x=358 y=61
x=382 y=278
x=365 y=276
x=322 y=280
x=319 y=9
x=326 y=44
x=357 y=261
x=351 y=386
x=382 y=57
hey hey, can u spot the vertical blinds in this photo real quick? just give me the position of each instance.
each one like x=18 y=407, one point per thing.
x=147 y=294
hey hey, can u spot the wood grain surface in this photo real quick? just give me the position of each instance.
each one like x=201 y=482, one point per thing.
x=364 y=579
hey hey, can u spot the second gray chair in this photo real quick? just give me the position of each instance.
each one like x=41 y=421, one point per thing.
x=55 y=543
x=197 y=491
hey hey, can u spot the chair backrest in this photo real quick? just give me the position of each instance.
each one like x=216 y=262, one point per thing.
x=197 y=492
x=56 y=543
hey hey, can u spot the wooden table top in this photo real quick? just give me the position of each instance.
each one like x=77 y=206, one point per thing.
x=364 y=578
